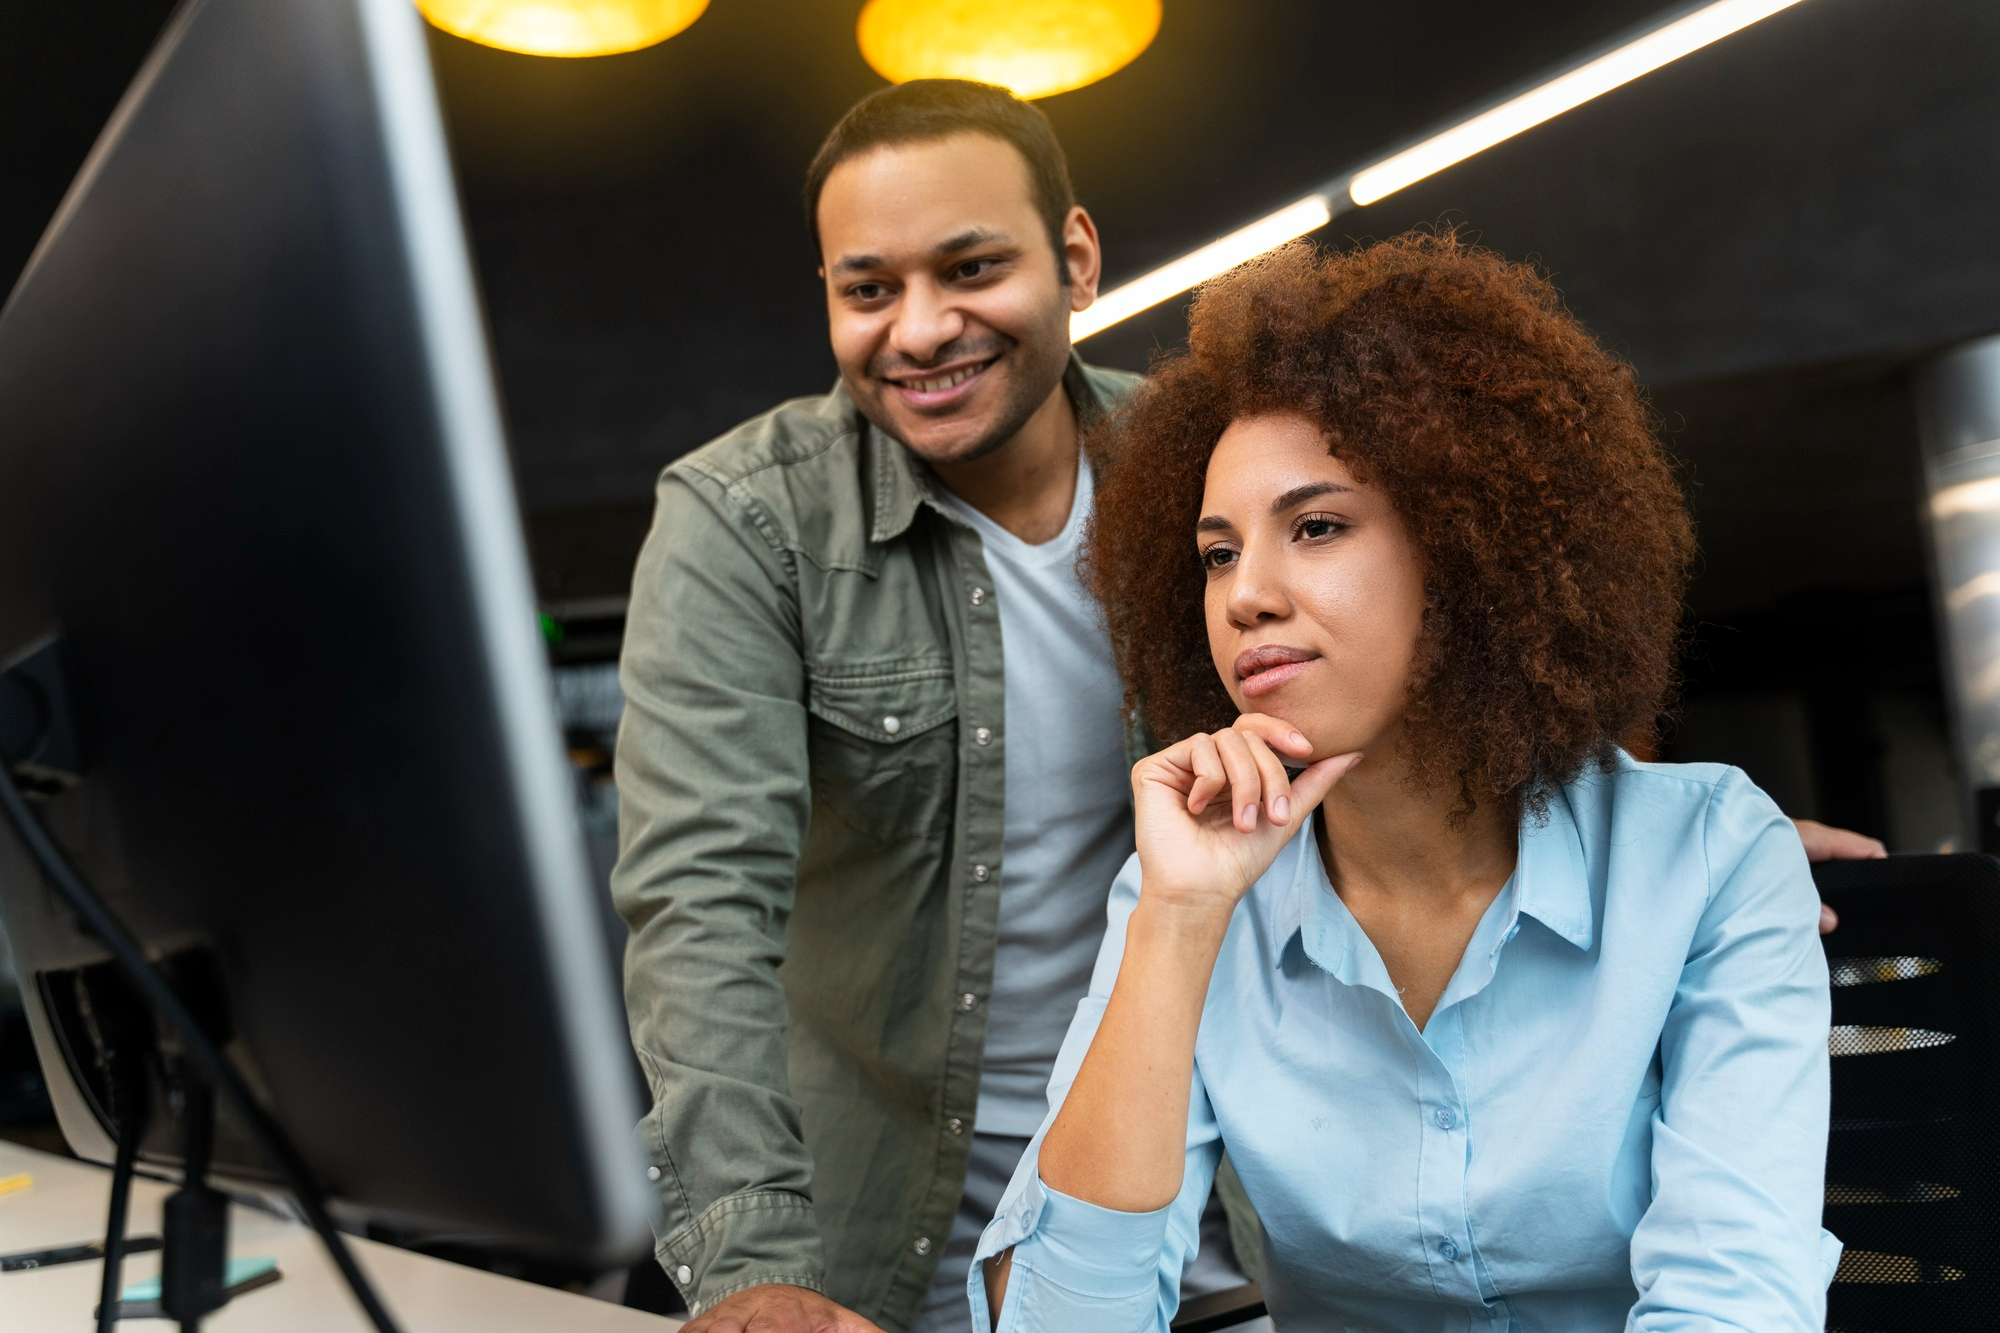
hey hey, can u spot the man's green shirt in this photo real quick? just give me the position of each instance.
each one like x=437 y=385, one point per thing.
x=811 y=778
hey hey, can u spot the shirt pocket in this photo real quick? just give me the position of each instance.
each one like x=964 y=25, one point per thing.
x=884 y=750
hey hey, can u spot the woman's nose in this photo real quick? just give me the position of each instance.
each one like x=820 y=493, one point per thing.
x=1256 y=594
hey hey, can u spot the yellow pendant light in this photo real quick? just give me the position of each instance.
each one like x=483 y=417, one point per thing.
x=563 y=27
x=1032 y=47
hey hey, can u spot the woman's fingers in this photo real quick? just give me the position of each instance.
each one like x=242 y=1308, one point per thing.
x=1210 y=777
x=1245 y=780
x=1276 y=783
x=1310 y=787
x=1281 y=736
x=1246 y=762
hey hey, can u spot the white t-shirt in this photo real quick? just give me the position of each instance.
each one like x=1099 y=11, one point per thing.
x=1069 y=810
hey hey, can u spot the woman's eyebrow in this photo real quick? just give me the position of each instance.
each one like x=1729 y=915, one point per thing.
x=1214 y=523
x=1298 y=495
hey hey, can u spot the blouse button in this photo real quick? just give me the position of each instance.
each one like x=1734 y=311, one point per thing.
x=1445 y=1117
x=1448 y=1249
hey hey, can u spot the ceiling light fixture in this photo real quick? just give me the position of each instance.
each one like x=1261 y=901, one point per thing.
x=1580 y=81
x=563 y=27
x=1035 y=48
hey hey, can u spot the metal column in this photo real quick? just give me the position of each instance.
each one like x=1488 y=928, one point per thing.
x=1958 y=420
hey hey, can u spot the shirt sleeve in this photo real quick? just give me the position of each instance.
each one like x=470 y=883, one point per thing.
x=713 y=790
x=1078 y=1266
x=1732 y=1238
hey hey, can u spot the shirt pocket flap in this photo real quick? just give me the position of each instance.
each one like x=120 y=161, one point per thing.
x=884 y=703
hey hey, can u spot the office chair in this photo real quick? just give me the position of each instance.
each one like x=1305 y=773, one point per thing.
x=1913 y=1165
x=1223 y=1309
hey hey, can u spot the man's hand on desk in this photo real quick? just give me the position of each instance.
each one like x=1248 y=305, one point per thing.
x=779 y=1309
x=1835 y=844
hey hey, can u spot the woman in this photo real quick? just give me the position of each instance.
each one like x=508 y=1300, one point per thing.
x=1500 y=1027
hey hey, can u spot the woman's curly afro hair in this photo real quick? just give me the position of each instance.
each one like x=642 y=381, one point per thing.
x=1520 y=454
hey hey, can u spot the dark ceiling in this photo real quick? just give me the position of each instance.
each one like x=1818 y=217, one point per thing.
x=1769 y=229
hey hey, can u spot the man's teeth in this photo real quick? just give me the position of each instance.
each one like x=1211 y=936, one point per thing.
x=934 y=386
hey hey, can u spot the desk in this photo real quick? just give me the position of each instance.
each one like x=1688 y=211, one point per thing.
x=66 y=1206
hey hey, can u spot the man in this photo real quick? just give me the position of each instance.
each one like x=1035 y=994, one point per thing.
x=872 y=770
x=865 y=865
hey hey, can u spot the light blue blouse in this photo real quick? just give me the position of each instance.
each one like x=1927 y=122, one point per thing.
x=1616 y=1117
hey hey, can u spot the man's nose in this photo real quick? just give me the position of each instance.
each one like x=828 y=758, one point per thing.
x=926 y=322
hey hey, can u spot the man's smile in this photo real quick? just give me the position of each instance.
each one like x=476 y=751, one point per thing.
x=943 y=388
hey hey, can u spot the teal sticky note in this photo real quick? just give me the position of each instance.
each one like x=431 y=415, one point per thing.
x=238 y=1272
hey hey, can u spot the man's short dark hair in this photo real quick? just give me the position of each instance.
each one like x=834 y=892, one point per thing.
x=929 y=109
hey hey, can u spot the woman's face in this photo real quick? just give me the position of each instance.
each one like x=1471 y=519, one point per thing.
x=1315 y=595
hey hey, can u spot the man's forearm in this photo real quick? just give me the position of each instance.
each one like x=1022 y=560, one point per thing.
x=713 y=776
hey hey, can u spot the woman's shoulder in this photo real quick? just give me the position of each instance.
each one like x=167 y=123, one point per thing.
x=1713 y=810
x=1637 y=786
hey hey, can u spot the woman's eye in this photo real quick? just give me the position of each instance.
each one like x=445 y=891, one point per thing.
x=1314 y=527
x=1217 y=557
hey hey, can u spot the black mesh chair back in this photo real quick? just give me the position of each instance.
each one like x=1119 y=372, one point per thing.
x=1913 y=1162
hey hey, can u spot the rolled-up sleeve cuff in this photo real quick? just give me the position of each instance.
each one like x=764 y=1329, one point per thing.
x=1087 y=1248
x=744 y=1241
x=1080 y=1248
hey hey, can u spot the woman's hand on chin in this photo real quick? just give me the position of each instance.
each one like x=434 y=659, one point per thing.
x=1213 y=811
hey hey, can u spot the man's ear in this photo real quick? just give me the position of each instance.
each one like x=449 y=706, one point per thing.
x=1084 y=256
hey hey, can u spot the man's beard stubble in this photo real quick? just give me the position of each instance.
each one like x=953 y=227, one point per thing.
x=1037 y=379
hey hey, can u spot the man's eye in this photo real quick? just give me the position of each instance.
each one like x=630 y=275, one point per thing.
x=972 y=268
x=867 y=291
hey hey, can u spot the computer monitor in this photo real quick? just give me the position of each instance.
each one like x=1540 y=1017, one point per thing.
x=253 y=482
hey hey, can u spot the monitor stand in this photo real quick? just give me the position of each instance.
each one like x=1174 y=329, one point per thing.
x=39 y=754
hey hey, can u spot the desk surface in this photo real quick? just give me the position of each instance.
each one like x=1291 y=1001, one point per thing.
x=66 y=1206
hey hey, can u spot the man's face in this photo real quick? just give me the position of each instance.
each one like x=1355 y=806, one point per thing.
x=948 y=315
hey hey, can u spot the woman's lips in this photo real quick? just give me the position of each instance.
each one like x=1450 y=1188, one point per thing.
x=1271 y=667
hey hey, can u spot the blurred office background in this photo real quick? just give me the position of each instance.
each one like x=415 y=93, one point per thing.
x=1780 y=232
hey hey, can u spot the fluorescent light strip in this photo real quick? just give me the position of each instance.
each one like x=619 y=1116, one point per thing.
x=1641 y=56
x=1566 y=91
x=1986 y=584
x=1968 y=497
x=1190 y=270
